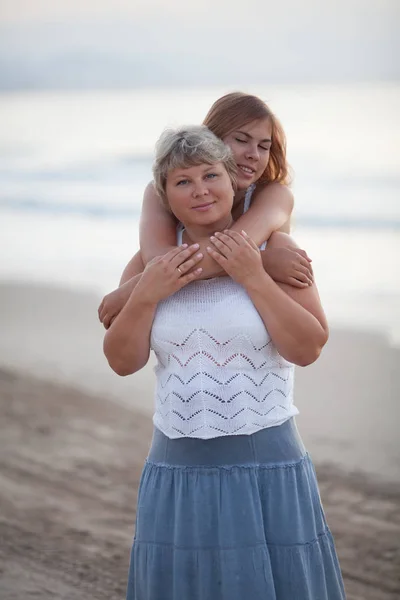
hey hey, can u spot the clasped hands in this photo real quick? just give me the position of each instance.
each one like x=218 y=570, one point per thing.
x=235 y=253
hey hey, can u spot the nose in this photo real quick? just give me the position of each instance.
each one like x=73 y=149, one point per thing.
x=252 y=152
x=200 y=189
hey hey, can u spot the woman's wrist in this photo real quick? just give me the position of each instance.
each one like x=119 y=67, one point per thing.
x=142 y=297
x=160 y=251
x=268 y=260
x=258 y=282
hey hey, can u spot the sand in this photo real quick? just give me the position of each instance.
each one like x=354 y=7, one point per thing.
x=70 y=468
x=74 y=437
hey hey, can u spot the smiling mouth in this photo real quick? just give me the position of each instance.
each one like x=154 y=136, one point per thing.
x=247 y=170
x=202 y=207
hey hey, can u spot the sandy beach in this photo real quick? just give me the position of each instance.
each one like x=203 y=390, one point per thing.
x=74 y=437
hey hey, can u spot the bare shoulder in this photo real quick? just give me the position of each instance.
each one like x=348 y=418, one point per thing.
x=274 y=190
x=281 y=240
x=150 y=190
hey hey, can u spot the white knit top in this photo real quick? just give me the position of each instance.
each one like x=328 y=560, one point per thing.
x=218 y=372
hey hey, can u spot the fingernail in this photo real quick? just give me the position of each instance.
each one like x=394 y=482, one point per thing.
x=199 y=270
x=184 y=245
x=195 y=246
x=212 y=238
x=208 y=248
x=199 y=255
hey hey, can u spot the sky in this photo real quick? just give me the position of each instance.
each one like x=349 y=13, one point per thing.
x=99 y=43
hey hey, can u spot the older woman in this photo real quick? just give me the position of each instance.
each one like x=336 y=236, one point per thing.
x=228 y=504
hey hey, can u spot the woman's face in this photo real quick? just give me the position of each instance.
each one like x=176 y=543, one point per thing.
x=200 y=195
x=250 y=145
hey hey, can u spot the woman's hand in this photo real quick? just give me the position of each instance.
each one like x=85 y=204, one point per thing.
x=165 y=275
x=237 y=254
x=113 y=303
x=288 y=265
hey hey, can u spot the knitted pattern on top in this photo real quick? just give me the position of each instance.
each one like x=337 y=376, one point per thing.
x=218 y=372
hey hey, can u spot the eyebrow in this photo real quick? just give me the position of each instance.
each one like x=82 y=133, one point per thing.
x=251 y=137
x=209 y=168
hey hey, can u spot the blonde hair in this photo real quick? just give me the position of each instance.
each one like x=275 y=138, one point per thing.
x=187 y=147
x=237 y=109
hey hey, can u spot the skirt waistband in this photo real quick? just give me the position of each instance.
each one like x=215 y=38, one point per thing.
x=272 y=446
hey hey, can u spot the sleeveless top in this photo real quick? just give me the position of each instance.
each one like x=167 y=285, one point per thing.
x=218 y=372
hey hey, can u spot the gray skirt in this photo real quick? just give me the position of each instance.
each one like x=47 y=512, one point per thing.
x=230 y=518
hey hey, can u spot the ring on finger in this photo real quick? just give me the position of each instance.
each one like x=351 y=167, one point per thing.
x=180 y=272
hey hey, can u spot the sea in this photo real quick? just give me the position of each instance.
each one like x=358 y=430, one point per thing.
x=74 y=164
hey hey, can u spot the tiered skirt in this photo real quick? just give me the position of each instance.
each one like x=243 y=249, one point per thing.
x=232 y=518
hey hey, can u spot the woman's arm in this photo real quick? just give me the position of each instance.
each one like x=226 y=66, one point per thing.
x=127 y=341
x=134 y=266
x=157 y=231
x=270 y=210
x=293 y=317
x=114 y=302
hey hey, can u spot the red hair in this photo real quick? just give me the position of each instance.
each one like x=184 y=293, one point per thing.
x=237 y=109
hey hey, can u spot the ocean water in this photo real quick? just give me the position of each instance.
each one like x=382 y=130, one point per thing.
x=73 y=167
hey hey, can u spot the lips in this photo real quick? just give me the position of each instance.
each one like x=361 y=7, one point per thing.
x=203 y=207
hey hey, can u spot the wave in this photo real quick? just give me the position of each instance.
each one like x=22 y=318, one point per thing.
x=116 y=212
x=69 y=208
x=126 y=167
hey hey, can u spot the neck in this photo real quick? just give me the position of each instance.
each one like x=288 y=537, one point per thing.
x=195 y=234
x=239 y=195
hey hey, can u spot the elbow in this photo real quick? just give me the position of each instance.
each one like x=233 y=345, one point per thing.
x=309 y=353
x=307 y=358
x=116 y=360
x=120 y=368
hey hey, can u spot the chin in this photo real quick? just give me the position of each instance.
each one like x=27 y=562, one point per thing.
x=243 y=185
x=207 y=220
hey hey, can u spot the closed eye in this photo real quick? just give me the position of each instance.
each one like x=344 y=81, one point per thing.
x=241 y=141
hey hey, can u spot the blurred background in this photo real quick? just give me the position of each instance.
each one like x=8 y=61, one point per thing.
x=86 y=87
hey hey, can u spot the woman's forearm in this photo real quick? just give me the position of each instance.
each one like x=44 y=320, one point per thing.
x=157 y=227
x=134 y=266
x=127 y=341
x=270 y=210
x=297 y=334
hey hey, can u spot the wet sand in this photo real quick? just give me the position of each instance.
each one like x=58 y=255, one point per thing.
x=70 y=465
